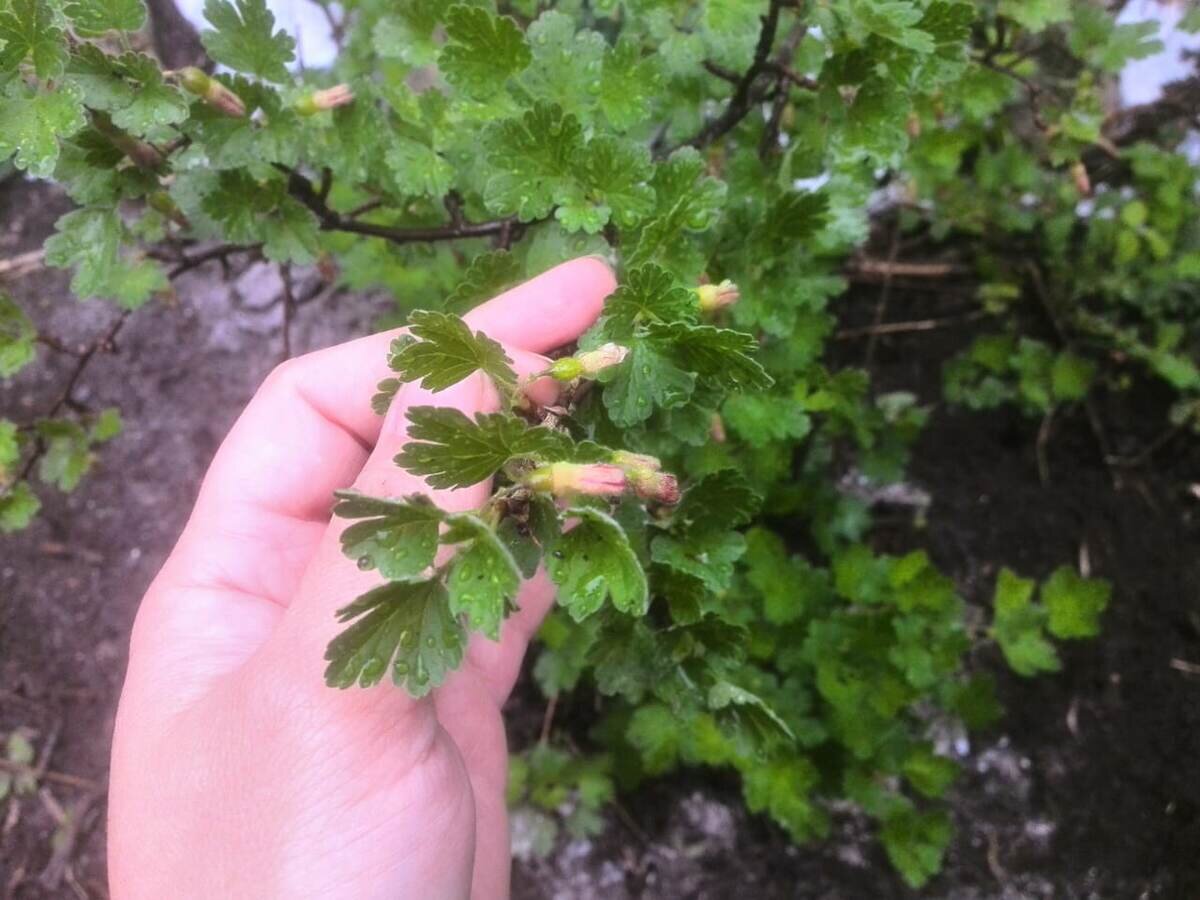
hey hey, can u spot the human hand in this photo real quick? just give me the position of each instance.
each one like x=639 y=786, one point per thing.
x=235 y=771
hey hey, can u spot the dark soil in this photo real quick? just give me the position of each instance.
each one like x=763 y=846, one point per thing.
x=1089 y=787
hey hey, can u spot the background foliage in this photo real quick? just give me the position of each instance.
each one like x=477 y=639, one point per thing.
x=688 y=142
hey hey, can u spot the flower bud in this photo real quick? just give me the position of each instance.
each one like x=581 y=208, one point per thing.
x=660 y=486
x=214 y=93
x=1083 y=182
x=716 y=429
x=330 y=98
x=627 y=460
x=564 y=479
x=645 y=474
x=589 y=363
x=717 y=296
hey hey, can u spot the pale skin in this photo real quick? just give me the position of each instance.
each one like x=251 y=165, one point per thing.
x=236 y=773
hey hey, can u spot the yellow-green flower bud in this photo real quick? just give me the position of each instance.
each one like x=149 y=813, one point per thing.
x=330 y=98
x=717 y=296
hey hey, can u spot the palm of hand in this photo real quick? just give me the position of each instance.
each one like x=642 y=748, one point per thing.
x=236 y=772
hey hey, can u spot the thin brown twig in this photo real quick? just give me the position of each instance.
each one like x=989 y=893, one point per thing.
x=331 y=220
x=49 y=775
x=740 y=103
x=103 y=342
x=548 y=719
x=917 y=325
x=885 y=293
x=1089 y=404
x=219 y=252
x=21 y=264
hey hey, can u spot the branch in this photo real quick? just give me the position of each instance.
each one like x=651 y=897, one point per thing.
x=739 y=104
x=103 y=342
x=221 y=252
x=331 y=220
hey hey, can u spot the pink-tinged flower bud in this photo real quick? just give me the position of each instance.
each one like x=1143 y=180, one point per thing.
x=1083 y=182
x=330 y=98
x=645 y=474
x=717 y=296
x=214 y=93
x=564 y=479
x=716 y=429
x=660 y=486
x=588 y=363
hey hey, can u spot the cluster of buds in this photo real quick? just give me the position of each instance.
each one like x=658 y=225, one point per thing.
x=626 y=472
x=330 y=98
x=717 y=296
x=588 y=363
x=212 y=91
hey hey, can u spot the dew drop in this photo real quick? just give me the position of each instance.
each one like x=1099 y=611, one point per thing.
x=364 y=562
x=401 y=669
x=430 y=642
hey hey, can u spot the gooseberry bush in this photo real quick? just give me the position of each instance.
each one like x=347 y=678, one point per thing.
x=688 y=495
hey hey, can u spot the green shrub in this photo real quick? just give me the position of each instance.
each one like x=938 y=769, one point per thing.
x=714 y=150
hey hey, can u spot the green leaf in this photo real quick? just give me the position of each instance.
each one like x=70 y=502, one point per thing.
x=1074 y=604
x=719 y=502
x=594 y=560
x=657 y=733
x=448 y=351
x=243 y=38
x=789 y=586
x=89 y=240
x=686 y=199
x=1036 y=15
x=488 y=276
x=648 y=293
x=417 y=168
x=153 y=104
x=916 y=842
x=28 y=29
x=1018 y=626
x=762 y=721
x=534 y=161
x=397 y=537
x=783 y=788
x=717 y=355
x=94 y=17
x=612 y=175
x=17 y=338
x=760 y=419
x=795 y=218
x=454 y=451
x=1070 y=377
x=67 y=457
x=107 y=426
x=18 y=505
x=628 y=84
x=482 y=50
x=404 y=626
x=892 y=20
x=707 y=555
x=484 y=577
x=33 y=123
x=929 y=773
x=644 y=381
x=10 y=449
